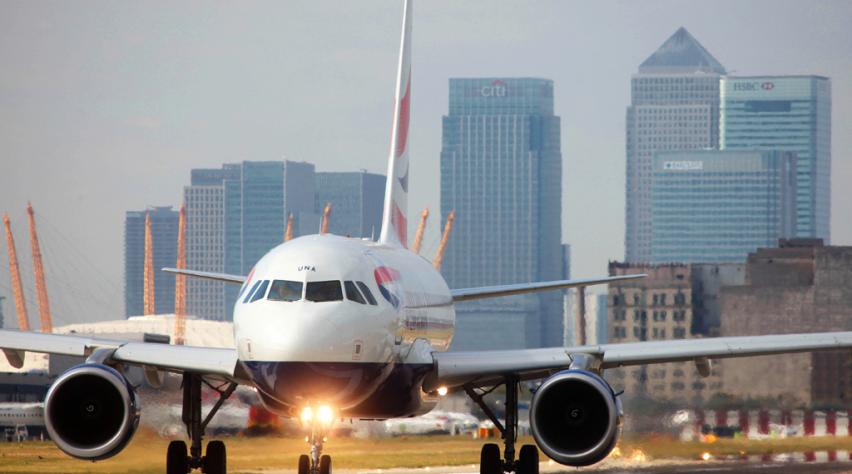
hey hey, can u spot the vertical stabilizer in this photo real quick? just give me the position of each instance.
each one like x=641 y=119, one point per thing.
x=395 y=215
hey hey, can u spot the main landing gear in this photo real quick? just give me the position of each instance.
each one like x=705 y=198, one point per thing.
x=318 y=421
x=214 y=461
x=490 y=461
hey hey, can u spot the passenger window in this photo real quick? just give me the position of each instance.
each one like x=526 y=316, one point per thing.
x=352 y=292
x=285 y=290
x=319 y=291
x=261 y=291
x=251 y=292
x=367 y=293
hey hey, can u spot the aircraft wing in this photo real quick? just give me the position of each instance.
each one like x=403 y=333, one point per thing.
x=225 y=277
x=203 y=360
x=487 y=367
x=465 y=294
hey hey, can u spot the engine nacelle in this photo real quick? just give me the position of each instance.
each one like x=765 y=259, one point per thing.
x=91 y=412
x=575 y=418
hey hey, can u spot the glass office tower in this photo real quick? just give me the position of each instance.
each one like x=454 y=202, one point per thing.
x=501 y=171
x=790 y=113
x=717 y=206
x=674 y=106
x=356 y=202
x=164 y=230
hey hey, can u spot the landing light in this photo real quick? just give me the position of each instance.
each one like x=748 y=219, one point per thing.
x=307 y=415
x=442 y=391
x=326 y=415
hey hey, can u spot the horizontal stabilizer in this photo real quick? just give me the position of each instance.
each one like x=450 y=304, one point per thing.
x=238 y=279
x=464 y=294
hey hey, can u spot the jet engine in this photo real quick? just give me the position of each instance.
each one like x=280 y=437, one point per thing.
x=575 y=418
x=91 y=412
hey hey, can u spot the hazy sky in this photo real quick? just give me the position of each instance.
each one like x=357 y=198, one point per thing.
x=106 y=106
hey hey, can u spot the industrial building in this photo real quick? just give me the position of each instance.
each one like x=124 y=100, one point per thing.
x=675 y=301
x=501 y=171
x=801 y=286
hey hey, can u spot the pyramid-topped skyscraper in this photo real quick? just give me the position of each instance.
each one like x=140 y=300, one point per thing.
x=681 y=53
x=674 y=106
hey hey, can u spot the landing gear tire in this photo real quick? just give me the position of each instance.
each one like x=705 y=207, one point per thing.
x=176 y=460
x=527 y=460
x=489 y=460
x=304 y=464
x=325 y=464
x=215 y=461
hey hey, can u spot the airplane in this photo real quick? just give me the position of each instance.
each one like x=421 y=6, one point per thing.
x=330 y=327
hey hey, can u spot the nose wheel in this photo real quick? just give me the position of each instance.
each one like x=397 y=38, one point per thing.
x=316 y=462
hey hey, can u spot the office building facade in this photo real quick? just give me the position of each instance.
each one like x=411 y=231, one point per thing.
x=501 y=171
x=256 y=205
x=674 y=106
x=164 y=231
x=356 y=201
x=788 y=113
x=717 y=206
x=204 y=202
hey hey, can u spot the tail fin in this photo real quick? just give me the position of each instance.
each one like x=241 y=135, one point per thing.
x=394 y=218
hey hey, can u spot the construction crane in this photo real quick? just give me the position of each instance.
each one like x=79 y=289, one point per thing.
x=288 y=234
x=15 y=273
x=418 y=237
x=180 y=280
x=38 y=272
x=445 y=237
x=326 y=214
x=148 y=272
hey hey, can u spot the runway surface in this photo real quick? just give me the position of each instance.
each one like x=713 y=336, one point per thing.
x=661 y=467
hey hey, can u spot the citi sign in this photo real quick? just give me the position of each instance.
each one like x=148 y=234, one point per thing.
x=496 y=89
x=754 y=86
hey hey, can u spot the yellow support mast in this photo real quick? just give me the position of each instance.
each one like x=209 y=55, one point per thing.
x=38 y=272
x=418 y=237
x=180 y=281
x=15 y=274
x=148 y=273
x=448 y=227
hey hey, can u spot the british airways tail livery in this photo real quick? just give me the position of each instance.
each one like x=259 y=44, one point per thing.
x=328 y=327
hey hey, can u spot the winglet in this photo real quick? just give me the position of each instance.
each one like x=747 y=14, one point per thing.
x=395 y=215
x=238 y=279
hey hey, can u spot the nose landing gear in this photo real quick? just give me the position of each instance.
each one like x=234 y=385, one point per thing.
x=319 y=424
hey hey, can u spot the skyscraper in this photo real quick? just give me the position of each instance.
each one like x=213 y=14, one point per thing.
x=674 y=106
x=205 y=239
x=356 y=201
x=790 y=113
x=256 y=204
x=164 y=230
x=501 y=170
x=717 y=206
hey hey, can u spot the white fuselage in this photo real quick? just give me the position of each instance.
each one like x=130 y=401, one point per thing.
x=331 y=319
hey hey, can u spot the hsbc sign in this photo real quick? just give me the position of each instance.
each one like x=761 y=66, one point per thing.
x=753 y=86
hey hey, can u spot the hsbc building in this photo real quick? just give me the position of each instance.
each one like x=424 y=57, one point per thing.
x=786 y=113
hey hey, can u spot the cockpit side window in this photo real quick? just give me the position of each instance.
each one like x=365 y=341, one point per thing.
x=285 y=290
x=320 y=291
x=352 y=292
x=261 y=291
x=251 y=292
x=367 y=293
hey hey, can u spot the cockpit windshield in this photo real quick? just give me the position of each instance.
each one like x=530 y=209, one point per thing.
x=320 y=291
x=285 y=290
